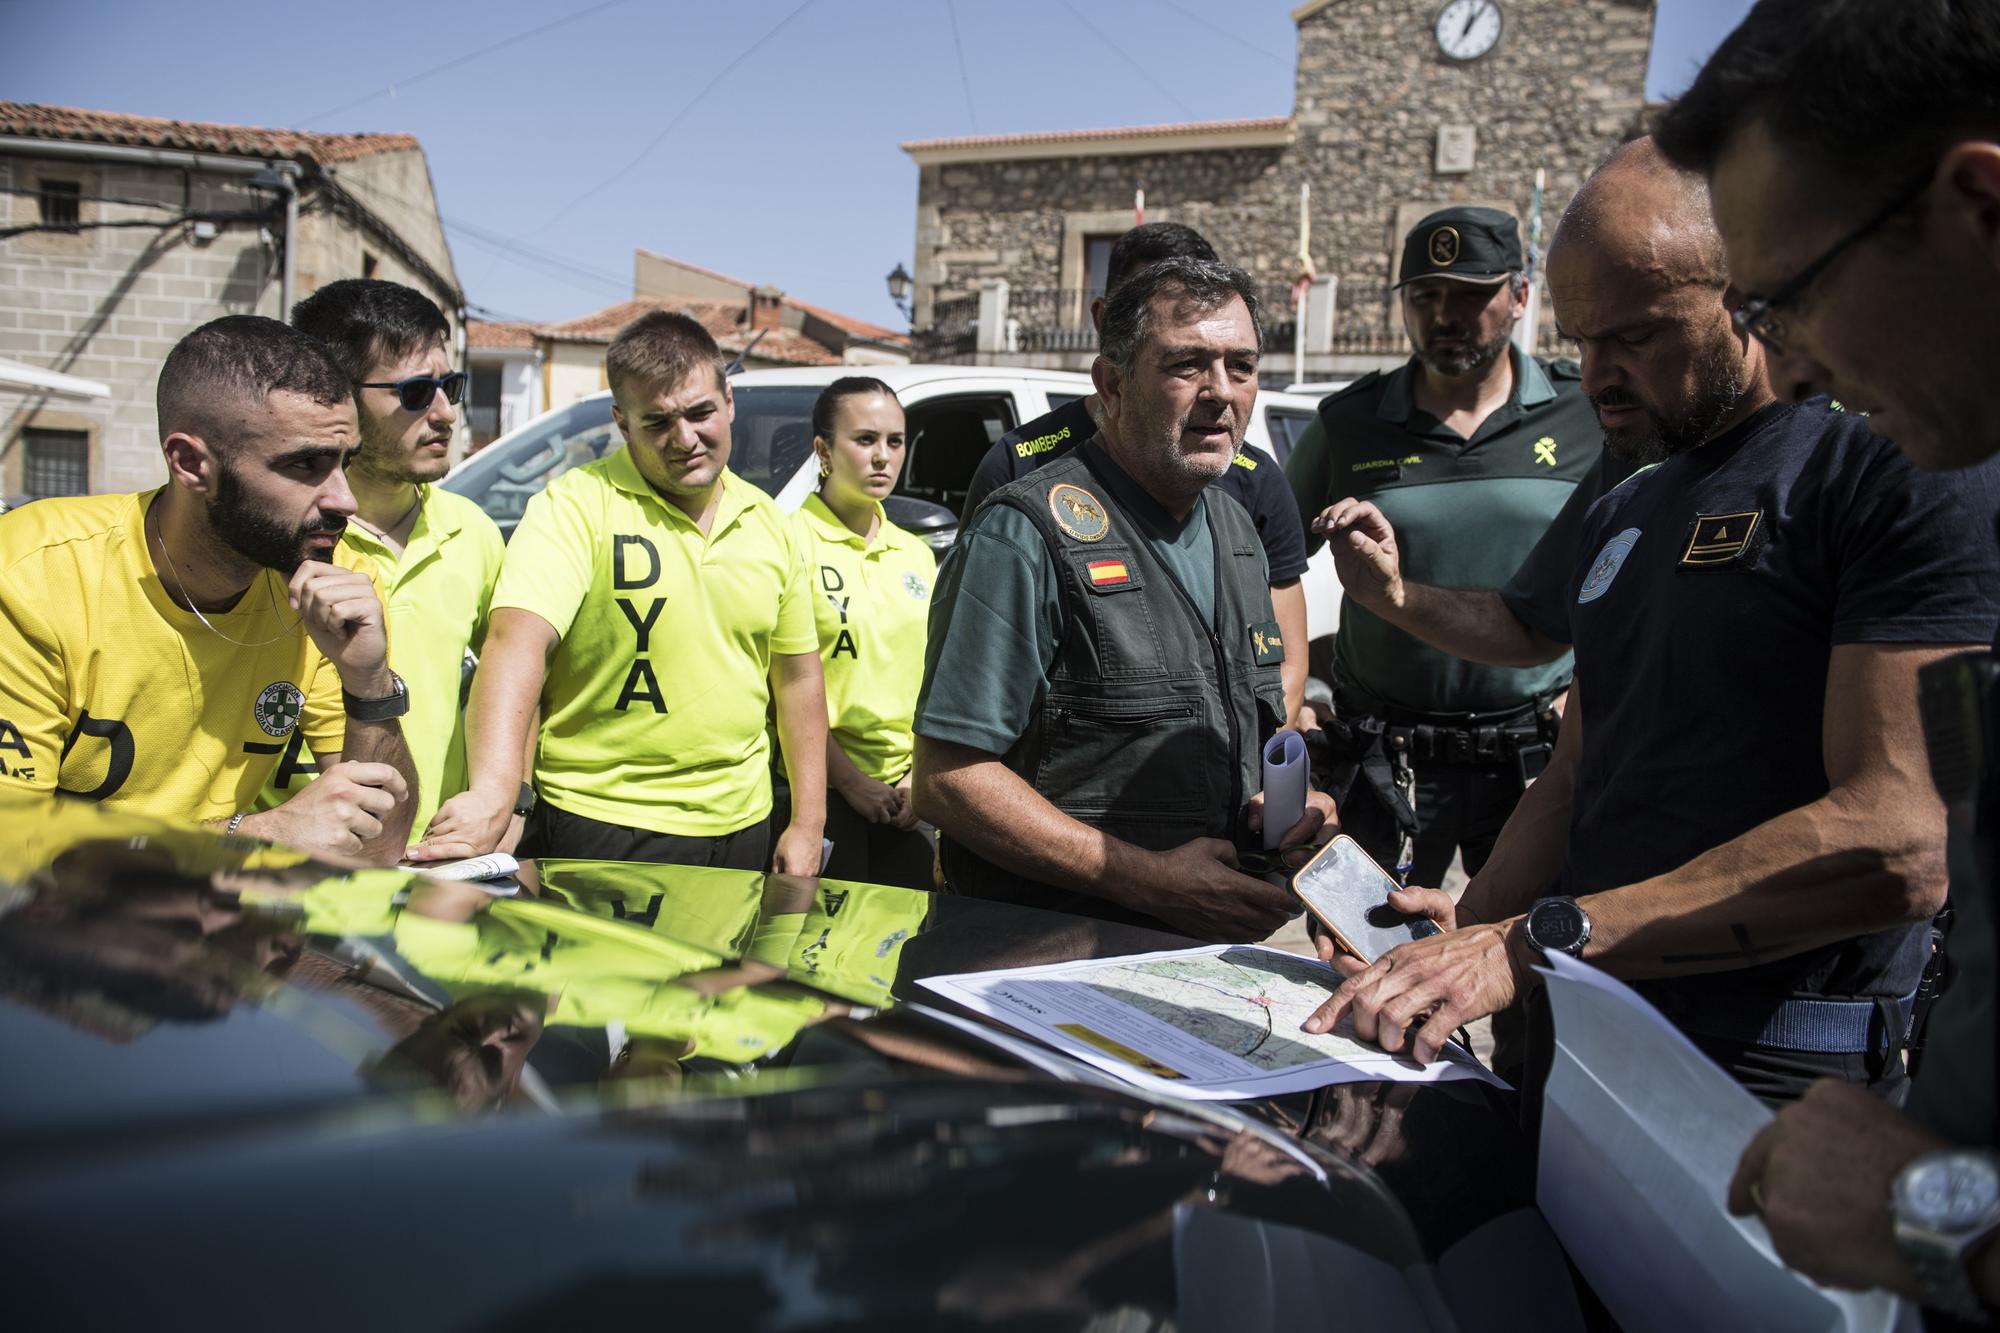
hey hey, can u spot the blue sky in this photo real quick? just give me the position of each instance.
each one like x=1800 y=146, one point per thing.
x=610 y=129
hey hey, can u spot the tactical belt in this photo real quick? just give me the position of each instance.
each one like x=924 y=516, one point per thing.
x=1822 y=1027
x=1523 y=737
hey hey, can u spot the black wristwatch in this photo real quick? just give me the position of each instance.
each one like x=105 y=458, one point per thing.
x=1557 y=925
x=386 y=709
x=1944 y=1204
x=524 y=802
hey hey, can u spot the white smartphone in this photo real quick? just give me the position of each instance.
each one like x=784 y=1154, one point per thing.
x=1349 y=893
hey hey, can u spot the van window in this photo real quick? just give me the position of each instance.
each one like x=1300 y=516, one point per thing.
x=948 y=437
x=1287 y=425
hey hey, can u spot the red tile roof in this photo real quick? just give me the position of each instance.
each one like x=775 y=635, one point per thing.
x=483 y=333
x=860 y=328
x=722 y=319
x=1216 y=127
x=32 y=121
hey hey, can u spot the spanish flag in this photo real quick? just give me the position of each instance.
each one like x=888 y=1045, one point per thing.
x=1108 y=573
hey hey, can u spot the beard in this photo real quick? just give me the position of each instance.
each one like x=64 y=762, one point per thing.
x=255 y=535
x=1157 y=436
x=1466 y=358
x=1718 y=375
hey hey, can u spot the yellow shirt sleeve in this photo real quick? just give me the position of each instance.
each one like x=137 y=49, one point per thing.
x=34 y=713
x=548 y=567
x=796 y=632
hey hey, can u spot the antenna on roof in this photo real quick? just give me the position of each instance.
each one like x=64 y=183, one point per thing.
x=737 y=364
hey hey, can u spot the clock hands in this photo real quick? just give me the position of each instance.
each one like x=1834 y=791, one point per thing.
x=1471 y=17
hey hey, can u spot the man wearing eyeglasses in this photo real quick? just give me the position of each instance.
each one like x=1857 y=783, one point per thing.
x=1737 y=818
x=1853 y=150
x=437 y=555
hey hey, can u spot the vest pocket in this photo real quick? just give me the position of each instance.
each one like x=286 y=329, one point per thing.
x=1141 y=759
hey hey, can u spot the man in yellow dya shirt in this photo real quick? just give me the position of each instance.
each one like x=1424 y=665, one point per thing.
x=655 y=605
x=157 y=651
x=436 y=555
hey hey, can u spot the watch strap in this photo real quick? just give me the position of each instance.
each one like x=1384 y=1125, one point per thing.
x=386 y=709
x=524 y=800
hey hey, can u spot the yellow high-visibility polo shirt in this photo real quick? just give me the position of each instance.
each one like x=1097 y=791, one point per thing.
x=437 y=592
x=653 y=711
x=112 y=691
x=871 y=607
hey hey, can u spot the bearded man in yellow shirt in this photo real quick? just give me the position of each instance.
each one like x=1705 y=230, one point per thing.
x=158 y=650
x=656 y=606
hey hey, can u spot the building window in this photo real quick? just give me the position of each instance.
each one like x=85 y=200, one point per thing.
x=368 y=264
x=55 y=462
x=1097 y=265
x=62 y=203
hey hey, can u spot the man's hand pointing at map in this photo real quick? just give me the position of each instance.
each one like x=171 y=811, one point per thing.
x=1443 y=982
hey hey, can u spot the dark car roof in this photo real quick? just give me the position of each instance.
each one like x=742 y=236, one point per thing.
x=267 y=1089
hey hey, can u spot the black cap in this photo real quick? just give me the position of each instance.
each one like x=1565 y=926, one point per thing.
x=1463 y=244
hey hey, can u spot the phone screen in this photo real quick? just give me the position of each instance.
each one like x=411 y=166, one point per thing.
x=1348 y=892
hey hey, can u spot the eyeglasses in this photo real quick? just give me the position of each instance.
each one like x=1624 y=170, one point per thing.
x=416 y=392
x=1761 y=317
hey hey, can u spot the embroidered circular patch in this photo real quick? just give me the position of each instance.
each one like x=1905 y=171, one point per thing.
x=278 y=708
x=1079 y=513
x=1605 y=568
x=913 y=586
x=1444 y=246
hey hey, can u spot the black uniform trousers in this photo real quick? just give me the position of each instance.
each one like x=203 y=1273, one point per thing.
x=1461 y=809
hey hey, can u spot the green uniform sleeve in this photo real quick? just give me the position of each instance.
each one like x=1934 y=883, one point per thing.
x=549 y=563
x=1310 y=472
x=995 y=626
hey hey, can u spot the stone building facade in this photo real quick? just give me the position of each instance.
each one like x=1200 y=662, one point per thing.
x=1385 y=126
x=120 y=234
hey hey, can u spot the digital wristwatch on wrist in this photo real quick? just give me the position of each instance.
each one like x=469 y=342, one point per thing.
x=1557 y=925
x=1944 y=1204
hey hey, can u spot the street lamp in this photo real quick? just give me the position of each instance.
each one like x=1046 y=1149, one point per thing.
x=899 y=291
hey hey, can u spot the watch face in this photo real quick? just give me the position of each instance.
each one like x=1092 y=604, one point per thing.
x=1467 y=29
x=1949 y=1191
x=1556 y=926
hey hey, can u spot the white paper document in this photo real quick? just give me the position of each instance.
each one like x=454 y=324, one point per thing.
x=1284 y=785
x=1219 y=1023
x=1640 y=1136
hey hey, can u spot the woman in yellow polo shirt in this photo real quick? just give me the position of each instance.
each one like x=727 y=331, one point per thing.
x=873 y=582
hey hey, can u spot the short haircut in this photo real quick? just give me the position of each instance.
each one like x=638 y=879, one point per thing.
x=364 y=321
x=1203 y=283
x=1149 y=243
x=1861 y=90
x=847 y=386
x=242 y=358
x=660 y=349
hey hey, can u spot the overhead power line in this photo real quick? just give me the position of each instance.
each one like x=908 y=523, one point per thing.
x=1125 y=56
x=1224 y=33
x=673 y=123
x=456 y=61
x=964 y=80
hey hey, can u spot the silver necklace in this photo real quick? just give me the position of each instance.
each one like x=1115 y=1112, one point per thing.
x=159 y=540
x=383 y=533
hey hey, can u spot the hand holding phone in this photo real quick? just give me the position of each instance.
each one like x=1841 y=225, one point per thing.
x=1349 y=893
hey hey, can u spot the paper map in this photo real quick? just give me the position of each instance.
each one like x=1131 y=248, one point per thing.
x=1220 y=1022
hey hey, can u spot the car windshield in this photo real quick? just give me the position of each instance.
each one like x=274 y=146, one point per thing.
x=770 y=439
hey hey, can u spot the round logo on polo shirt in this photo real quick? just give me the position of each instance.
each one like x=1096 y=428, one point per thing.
x=913 y=586
x=1079 y=513
x=278 y=708
x=1605 y=568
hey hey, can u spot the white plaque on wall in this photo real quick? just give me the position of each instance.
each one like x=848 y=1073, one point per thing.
x=1456 y=146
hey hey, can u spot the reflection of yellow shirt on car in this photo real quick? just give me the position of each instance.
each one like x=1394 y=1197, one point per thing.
x=112 y=691
x=870 y=605
x=653 y=712
x=436 y=592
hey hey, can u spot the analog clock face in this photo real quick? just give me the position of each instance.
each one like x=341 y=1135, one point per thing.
x=1467 y=29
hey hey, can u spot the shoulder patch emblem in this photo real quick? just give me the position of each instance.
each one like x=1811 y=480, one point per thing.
x=1545 y=450
x=278 y=708
x=1078 y=513
x=1605 y=568
x=1715 y=540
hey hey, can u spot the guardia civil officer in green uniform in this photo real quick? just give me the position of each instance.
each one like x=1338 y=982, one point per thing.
x=1102 y=670
x=1470 y=449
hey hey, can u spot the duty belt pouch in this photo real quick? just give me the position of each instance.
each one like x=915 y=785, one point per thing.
x=1346 y=751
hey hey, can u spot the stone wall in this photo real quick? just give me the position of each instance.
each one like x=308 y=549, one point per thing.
x=1563 y=86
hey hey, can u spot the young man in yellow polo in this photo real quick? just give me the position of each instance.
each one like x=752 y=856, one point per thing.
x=655 y=606
x=436 y=555
x=158 y=650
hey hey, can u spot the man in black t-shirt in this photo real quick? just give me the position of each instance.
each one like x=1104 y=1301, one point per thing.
x=1255 y=480
x=1854 y=154
x=1737 y=816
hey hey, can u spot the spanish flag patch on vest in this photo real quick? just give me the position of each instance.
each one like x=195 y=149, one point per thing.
x=1108 y=573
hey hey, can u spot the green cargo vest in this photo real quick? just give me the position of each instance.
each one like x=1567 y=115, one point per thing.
x=1151 y=725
